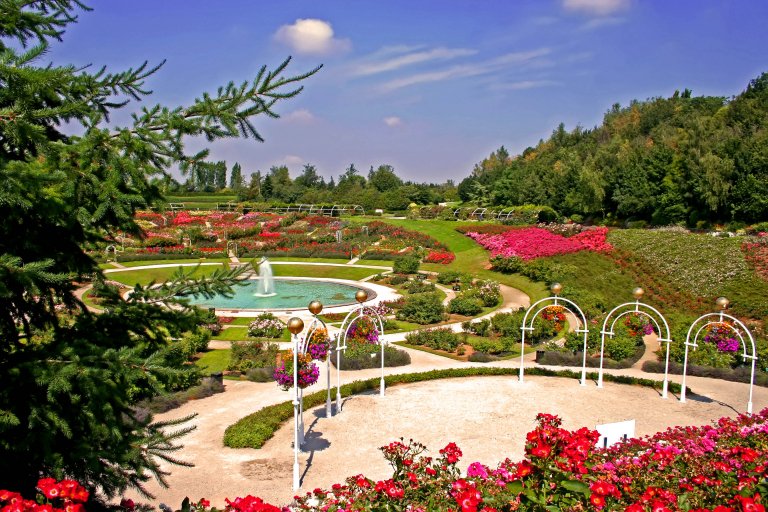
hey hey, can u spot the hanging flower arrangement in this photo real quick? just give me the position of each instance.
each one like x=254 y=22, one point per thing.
x=638 y=324
x=556 y=315
x=363 y=330
x=721 y=334
x=319 y=344
x=308 y=372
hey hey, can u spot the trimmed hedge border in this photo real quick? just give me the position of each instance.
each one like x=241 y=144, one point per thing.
x=740 y=374
x=254 y=430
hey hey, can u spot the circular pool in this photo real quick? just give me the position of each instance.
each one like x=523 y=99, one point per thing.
x=289 y=294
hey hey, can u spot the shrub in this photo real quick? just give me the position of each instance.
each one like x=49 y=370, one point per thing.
x=620 y=346
x=163 y=403
x=265 y=374
x=482 y=357
x=480 y=328
x=441 y=338
x=422 y=308
x=740 y=374
x=488 y=346
x=370 y=357
x=449 y=277
x=266 y=325
x=465 y=305
x=252 y=354
x=397 y=279
x=406 y=265
x=419 y=286
x=507 y=325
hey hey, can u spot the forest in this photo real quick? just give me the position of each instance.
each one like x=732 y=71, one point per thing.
x=692 y=160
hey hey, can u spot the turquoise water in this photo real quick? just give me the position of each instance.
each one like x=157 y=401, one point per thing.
x=289 y=294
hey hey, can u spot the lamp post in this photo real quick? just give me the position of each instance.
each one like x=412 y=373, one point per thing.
x=295 y=326
x=316 y=307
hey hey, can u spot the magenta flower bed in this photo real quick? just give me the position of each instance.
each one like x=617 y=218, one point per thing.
x=532 y=242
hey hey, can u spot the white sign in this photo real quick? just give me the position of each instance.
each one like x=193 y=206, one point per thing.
x=612 y=433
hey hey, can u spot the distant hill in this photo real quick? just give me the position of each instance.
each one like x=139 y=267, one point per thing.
x=682 y=159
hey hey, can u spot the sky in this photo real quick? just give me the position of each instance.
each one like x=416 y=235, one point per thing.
x=430 y=87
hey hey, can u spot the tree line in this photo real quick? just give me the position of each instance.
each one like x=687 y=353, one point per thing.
x=382 y=188
x=680 y=160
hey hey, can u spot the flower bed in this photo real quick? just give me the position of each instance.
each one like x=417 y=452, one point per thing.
x=533 y=242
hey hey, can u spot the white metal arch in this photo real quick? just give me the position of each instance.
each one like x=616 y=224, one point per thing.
x=647 y=311
x=544 y=304
x=711 y=319
x=341 y=345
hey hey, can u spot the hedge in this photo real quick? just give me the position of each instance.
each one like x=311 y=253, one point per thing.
x=254 y=430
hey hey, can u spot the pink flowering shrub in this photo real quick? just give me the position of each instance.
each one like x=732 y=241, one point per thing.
x=533 y=242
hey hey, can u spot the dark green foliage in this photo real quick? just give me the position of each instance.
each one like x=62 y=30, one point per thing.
x=265 y=374
x=481 y=357
x=462 y=305
x=406 y=265
x=422 y=308
x=441 y=338
x=252 y=354
x=71 y=379
x=449 y=277
x=255 y=429
x=681 y=159
x=419 y=286
x=740 y=374
x=371 y=358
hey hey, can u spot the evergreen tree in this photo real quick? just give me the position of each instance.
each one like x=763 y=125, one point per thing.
x=71 y=378
x=220 y=175
x=236 y=178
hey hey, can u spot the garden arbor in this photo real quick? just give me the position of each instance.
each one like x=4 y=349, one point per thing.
x=356 y=315
x=549 y=302
x=723 y=325
x=636 y=308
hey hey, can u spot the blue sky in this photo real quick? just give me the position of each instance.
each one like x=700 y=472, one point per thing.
x=428 y=86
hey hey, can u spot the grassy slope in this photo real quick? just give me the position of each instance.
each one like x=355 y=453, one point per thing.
x=323 y=271
x=214 y=361
x=470 y=257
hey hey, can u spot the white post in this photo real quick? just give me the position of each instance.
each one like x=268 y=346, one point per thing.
x=328 y=411
x=665 y=387
x=600 y=371
x=381 y=384
x=296 y=480
x=301 y=415
x=584 y=360
x=522 y=354
x=751 y=383
x=685 y=368
x=338 y=378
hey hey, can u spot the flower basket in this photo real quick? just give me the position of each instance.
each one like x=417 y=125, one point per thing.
x=308 y=371
x=721 y=334
x=556 y=315
x=638 y=325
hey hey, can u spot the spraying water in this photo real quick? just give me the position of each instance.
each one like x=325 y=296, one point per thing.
x=266 y=286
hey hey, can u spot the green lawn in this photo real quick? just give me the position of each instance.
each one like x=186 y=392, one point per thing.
x=242 y=320
x=240 y=333
x=214 y=361
x=470 y=257
x=323 y=271
x=380 y=263
x=158 y=275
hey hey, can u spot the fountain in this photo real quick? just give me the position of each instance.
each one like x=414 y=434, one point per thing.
x=266 y=285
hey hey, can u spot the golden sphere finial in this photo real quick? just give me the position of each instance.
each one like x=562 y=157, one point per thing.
x=315 y=307
x=295 y=325
x=556 y=288
x=722 y=303
x=638 y=293
x=361 y=296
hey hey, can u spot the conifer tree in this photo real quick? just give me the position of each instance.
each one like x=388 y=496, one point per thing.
x=70 y=377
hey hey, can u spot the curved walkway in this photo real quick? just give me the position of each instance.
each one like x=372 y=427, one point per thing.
x=487 y=416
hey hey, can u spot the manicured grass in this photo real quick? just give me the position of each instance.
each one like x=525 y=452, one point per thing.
x=323 y=271
x=214 y=361
x=308 y=260
x=158 y=275
x=431 y=351
x=404 y=326
x=380 y=263
x=242 y=320
x=240 y=333
x=88 y=300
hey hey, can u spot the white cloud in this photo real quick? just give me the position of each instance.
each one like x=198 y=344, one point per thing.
x=468 y=70
x=393 y=121
x=524 y=84
x=290 y=160
x=596 y=7
x=311 y=37
x=302 y=116
x=408 y=59
x=608 y=21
